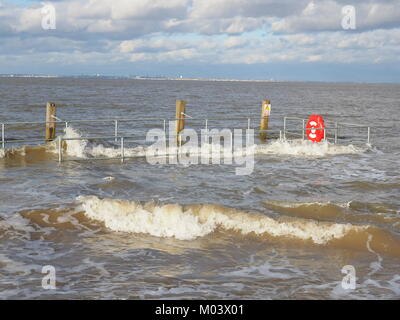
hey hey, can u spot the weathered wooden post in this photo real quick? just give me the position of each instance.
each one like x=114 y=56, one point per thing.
x=265 y=113
x=50 y=116
x=180 y=116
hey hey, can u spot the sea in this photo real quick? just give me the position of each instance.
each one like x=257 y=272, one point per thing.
x=310 y=220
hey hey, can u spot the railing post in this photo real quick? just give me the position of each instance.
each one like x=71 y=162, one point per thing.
x=265 y=113
x=304 y=128
x=60 y=159
x=336 y=132
x=122 y=149
x=180 y=119
x=3 y=140
x=50 y=124
x=165 y=125
x=116 y=130
x=206 y=137
x=248 y=128
x=284 y=128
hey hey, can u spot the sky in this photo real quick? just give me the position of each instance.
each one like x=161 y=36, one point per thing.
x=295 y=40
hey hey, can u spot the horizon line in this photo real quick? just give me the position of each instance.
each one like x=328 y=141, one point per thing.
x=166 y=78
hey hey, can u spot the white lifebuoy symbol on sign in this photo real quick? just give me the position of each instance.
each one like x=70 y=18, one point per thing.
x=267 y=110
x=313 y=134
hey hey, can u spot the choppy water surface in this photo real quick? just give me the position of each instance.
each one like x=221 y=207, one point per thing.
x=141 y=231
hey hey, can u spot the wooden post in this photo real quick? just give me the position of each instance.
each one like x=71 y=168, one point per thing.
x=180 y=124
x=265 y=113
x=50 y=127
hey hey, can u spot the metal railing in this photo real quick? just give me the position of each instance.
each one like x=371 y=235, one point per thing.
x=116 y=123
x=117 y=137
x=122 y=145
x=335 y=128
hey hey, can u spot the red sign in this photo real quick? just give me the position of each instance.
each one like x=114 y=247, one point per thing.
x=315 y=122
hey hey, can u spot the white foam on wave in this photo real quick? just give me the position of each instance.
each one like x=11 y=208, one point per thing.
x=299 y=148
x=4 y=153
x=305 y=148
x=187 y=223
x=83 y=148
x=75 y=148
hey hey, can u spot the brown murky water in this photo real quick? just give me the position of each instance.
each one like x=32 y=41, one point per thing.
x=142 y=231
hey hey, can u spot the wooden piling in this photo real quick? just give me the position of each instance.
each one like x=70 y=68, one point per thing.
x=50 y=127
x=265 y=113
x=180 y=116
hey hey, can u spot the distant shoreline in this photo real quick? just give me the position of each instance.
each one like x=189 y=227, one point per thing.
x=107 y=77
x=130 y=78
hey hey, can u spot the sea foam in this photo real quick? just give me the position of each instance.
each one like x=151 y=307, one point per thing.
x=297 y=148
x=190 y=222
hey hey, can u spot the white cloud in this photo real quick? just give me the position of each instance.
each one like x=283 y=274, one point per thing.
x=147 y=9
x=314 y=58
x=207 y=31
x=235 y=42
x=332 y=47
x=141 y=17
x=216 y=9
x=316 y=16
x=326 y=15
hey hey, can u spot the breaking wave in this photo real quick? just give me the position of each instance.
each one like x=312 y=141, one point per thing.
x=86 y=148
x=30 y=153
x=190 y=222
x=296 y=226
x=298 y=147
x=305 y=148
x=198 y=220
